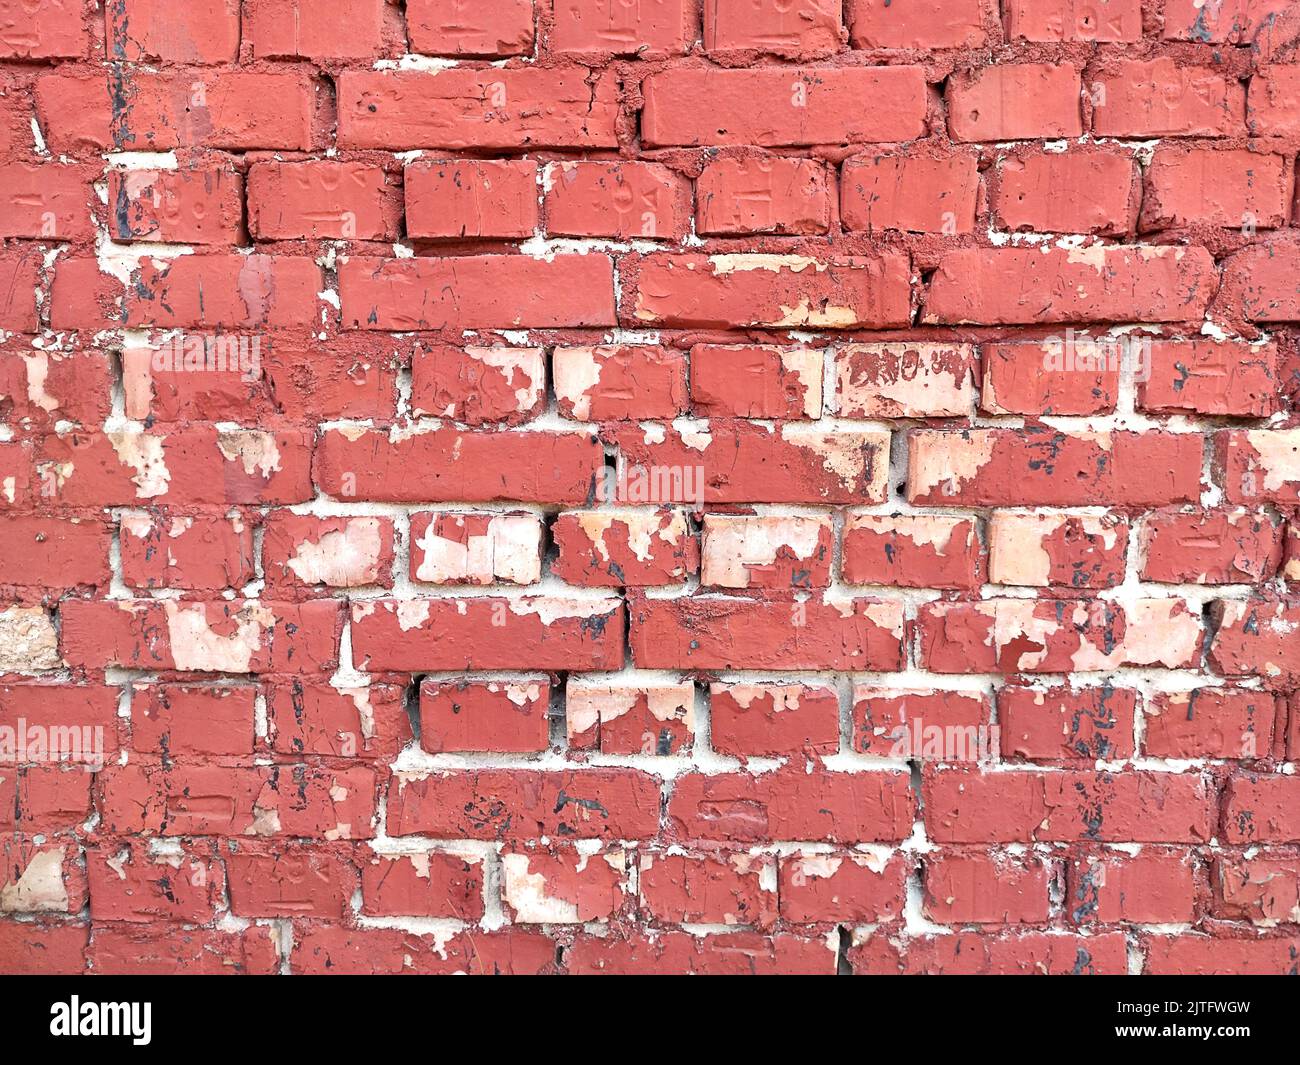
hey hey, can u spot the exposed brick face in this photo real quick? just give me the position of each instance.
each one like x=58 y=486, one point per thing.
x=706 y=486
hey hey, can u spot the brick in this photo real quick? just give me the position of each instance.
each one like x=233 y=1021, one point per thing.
x=46 y=798
x=130 y=883
x=905 y=380
x=1261 y=809
x=1158 y=98
x=1258 y=889
x=18 y=283
x=194 y=206
x=918 y=724
x=144 y=31
x=323 y=949
x=1256 y=637
x=507 y=716
x=762 y=552
x=193 y=465
x=523 y=804
x=304 y=552
x=1271 y=104
x=805 y=28
x=1077 y=375
x=758 y=194
x=196 y=553
x=911 y=194
x=837 y=633
x=322 y=200
x=790 y=464
x=423 y=884
x=964 y=807
x=756 y=381
x=1210 y=547
x=1067 y=192
x=300 y=29
x=477 y=292
x=723 y=889
x=985 y=889
x=478 y=385
x=1043 y=636
x=772 y=720
x=45 y=201
x=46 y=29
x=1044 y=467
x=40 y=877
x=78 y=723
x=1044 y=549
x=1015 y=101
x=231 y=291
x=149 y=950
x=480 y=549
x=1096 y=284
x=308 y=716
x=829 y=807
x=608 y=27
x=772 y=108
x=54 y=552
x=624 y=548
x=289 y=880
x=529 y=467
x=1061 y=723
x=537 y=632
x=912 y=551
x=471 y=200
x=624 y=200
x=1153 y=887
x=227 y=636
x=617 y=382
x=487 y=28
x=1259 y=465
x=1258 y=282
x=175 y=720
x=1209 y=723
x=460 y=109
x=1201 y=955
x=1116 y=21
x=769 y=291
x=628 y=719
x=1231 y=189
x=681 y=954
x=928 y=24
x=818 y=888
x=1230 y=22
x=234 y=110
x=1210 y=377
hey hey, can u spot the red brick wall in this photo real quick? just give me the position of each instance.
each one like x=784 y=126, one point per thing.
x=615 y=485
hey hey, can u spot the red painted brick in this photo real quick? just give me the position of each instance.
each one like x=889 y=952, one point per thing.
x=1159 y=98
x=818 y=888
x=928 y=24
x=757 y=194
x=624 y=200
x=1067 y=192
x=508 y=715
x=300 y=551
x=422 y=884
x=1210 y=377
x=1210 y=723
x=762 y=720
x=185 y=721
x=910 y=193
x=152 y=31
x=707 y=889
x=1261 y=809
x=912 y=551
x=756 y=381
x=1015 y=101
x=1233 y=189
x=619 y=382
x=196 y=206
x=624 y=548
x=471 y=200
x=628 y=719
x=301 y=29
x=1067 y=724
x=46 y=29
x=293 y=201
x=477 y=292
x=804 y=28
x=1210 y=547
x=1044 y=549
x=488 y=28
x=1074 y=20
x=773 y=108
x=196 y=553
x=905 y=380
x=986 y=889
x=1077 y=375
x=1153 y=887
x=610 y=27
x=942 y=725
x=470 y=548
x=478 y=385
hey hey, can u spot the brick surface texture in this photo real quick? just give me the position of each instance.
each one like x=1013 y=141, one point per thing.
x=612 y=486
